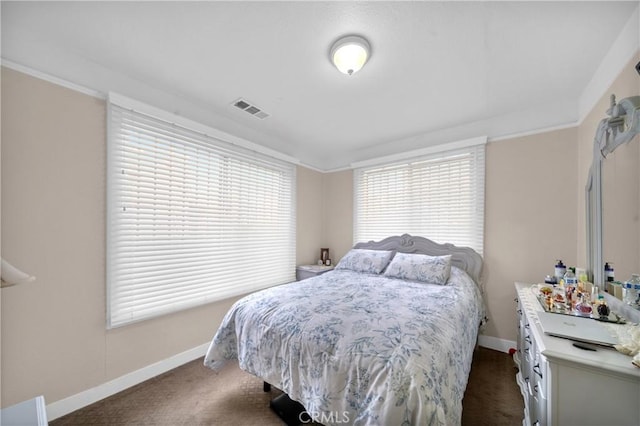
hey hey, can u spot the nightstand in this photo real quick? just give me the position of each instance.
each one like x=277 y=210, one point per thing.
x=308 y=271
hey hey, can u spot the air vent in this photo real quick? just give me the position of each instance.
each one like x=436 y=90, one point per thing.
x=250 y=109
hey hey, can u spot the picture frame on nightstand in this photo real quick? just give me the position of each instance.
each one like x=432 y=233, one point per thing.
x=324 y=255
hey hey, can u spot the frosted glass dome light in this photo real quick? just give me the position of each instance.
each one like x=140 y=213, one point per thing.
x=349 y=54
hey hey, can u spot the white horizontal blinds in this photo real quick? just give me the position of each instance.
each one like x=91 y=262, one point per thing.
x=440 y=196
x=191 y=219
x=380 y=204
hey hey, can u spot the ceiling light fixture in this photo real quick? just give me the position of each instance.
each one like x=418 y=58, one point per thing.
x=350 y=53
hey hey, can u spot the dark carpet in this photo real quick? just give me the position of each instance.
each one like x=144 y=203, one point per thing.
x=194 y=395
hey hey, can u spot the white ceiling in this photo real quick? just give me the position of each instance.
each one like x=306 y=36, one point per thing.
x=439 y=71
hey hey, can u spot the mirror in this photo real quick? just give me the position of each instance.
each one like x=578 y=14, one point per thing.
x=613 y=193
x=620 y=210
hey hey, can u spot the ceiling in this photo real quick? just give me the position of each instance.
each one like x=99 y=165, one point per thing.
x=439 y=71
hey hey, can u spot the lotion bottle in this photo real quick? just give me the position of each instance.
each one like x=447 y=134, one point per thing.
x=560 y=270
x=608 y=272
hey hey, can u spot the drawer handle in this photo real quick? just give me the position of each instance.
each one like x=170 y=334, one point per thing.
x=515 y=300
x=536 y=423
x=535 y=388
x=519 y=311
x=527 y=326
x=536 y=369
x=527 y=339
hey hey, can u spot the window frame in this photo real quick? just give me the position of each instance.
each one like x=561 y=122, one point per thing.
x=408 y=203
x=270 y=259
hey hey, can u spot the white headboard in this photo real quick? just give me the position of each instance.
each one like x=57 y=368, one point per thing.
x=463 y=257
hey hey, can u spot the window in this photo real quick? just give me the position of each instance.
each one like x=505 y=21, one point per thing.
x=439 y=196
x=191 y=219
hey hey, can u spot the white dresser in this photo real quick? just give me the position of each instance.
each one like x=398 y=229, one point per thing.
x=563 y=385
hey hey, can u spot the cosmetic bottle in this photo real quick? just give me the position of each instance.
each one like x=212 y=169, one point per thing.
x=560 y=270
x=583 y=307
x=631 y=289
x=603 y=308
x=609 y=274
x=570 y=287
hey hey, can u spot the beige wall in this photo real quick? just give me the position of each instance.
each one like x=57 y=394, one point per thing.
x=54 y=340
x=325 y=215
x=310 y=215
x=530 y=216
x=338 y=213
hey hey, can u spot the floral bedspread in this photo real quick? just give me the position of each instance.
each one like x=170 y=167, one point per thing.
x=358 y=348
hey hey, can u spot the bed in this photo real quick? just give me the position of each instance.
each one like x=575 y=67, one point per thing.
x=386 y=338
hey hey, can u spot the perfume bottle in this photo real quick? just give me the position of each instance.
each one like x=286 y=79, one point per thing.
x=583 y=306
x=603 y=308
x=558 y=298
x=570 y=286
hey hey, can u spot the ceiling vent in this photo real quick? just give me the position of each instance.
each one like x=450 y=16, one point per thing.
x=250 y=109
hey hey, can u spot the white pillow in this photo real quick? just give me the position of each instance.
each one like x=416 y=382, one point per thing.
x=420 y=267
x=368 y=261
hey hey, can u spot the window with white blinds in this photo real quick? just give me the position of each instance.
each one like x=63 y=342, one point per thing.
x=191 y=219
x=438 y=196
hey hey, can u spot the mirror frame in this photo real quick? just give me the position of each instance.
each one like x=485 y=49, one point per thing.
x=622 y=125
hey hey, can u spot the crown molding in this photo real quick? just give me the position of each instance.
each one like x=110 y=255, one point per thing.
x=52 y=79
x=622 y=50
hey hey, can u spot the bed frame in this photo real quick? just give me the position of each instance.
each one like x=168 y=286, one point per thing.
x=464 y=258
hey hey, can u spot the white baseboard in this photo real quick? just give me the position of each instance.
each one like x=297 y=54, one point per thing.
x=84 y=398
x=496 y=343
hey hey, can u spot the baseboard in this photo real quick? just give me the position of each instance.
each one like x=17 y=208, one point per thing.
x=496 y=343
x=84 y=398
